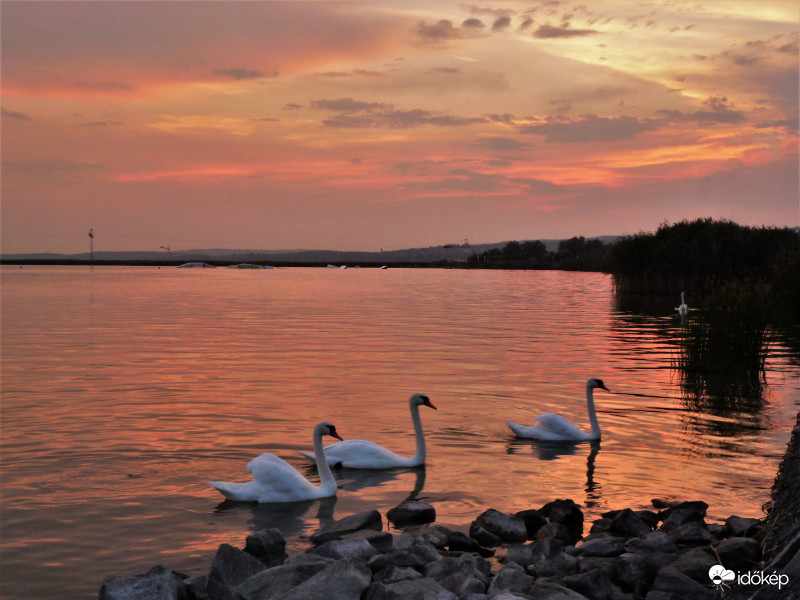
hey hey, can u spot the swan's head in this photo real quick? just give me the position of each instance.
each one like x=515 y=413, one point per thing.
x=327 y=429
x=421 y=400
x=597 y=383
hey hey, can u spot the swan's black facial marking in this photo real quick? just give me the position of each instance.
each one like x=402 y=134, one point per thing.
x=332 y=432
x=427 y=401
x=599 y=383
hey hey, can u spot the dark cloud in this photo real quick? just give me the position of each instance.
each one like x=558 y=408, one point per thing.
x=590 y=128
x=292 y=106
x=243 y=74
x=348 y=105
x=444 y=30
x=12 y=114
x=501 y=144
x=102 y=86
x=550 y=32
x=49 y=166
x=539 y=187
x=356 y=114
x=718 y=112
x=444 y=71
x=502 y=23
x=474 y=24
x=101 y=124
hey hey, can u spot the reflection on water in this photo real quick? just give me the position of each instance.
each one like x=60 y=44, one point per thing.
x=126 y=389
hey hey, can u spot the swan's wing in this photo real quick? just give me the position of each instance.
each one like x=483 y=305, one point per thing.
x=280 y=481
x=238 y=492
x=559 y=426
x=363 y=454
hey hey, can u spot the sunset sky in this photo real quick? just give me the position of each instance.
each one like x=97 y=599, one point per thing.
x=366 y=125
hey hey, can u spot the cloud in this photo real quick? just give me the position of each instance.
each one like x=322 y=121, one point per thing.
x=102 y=86
x=49 y=166
x=590 y=128
x=239 y=74
x=12 y=114
x=718 y=113
x=550 y=32
x=348 y=105
x=444 y=30
x=501 y=144
x=356 y=114
x=101 y=124
x=353 y=73
x=501 y=23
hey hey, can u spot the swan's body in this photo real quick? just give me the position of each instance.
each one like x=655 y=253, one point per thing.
x=363 y=454
x=555 y=428
x=683 y=309
x=275 y=480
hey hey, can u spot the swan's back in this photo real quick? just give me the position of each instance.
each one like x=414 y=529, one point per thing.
x=279 y=481
x=363 y=454
x=549 y=427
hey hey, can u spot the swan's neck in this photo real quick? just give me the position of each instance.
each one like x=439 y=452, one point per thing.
x=595 y=430
x=326 y=478
x=419 y=456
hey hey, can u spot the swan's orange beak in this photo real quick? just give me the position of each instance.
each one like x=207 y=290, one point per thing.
x=603 y=387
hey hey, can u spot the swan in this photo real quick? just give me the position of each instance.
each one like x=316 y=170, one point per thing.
x=556 y=428
x=275 y=480
x=683 y=309
x=363 y=454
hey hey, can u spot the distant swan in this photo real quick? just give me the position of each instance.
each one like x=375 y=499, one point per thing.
x=556 y=428
x=363 y=454
x=683 y=309
x=275 y=480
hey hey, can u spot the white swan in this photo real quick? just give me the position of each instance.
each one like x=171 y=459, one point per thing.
x=555 y=428
x=683 y=309
x=363 y=454
x=275 y=480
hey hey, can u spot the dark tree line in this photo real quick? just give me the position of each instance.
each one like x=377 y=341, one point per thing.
x=574 y=254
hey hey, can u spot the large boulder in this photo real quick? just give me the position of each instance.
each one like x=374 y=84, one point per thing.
x=267 y=545
x=509 y=528
x=411 y=512
x=159 y=583
x=344 y=579
x=370 y=519
x=230 y=568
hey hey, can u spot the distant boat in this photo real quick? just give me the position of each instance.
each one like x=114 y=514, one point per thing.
x=384 y=267
x=250 y=266
x=196 y=265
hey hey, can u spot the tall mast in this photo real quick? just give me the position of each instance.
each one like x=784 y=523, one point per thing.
x=91 y=244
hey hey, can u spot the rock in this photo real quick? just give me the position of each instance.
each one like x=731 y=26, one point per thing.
x=418 y=589
x=717 y=531
x=267 y=545
x=349 y=548
x=739 y=553
x=549 y=559
x=685 y=523
x=502 y=596
x=462 y=543
x=628 y=524
x=648 y=517
x=344 y=579
x=412 y=512
x=306 y=558
x=655 y=541
x=555 y=531
x=521 y=554
x=552 y=591
x=370 y=519
x=466 y=565
x=482 y=536
x=511 y=578
x=742 y=527
x=568 y=514
x=229 y=569
x=509 y=528
x=603 y=545
x=695 y=563
x=394 y=574
x=159 y=583
x=671 y=584
x=278 y=580
x=635 y=573
x=196 y=587
x=417 y=556
x=382 y=541
x=533 y=519
x=685 y=511
x=594 y=584
x=435 y=534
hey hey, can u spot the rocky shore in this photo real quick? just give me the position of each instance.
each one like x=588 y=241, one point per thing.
x=660 y=554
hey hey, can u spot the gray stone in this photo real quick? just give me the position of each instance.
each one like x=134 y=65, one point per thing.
x=159 y=583
x=635 y=573
x=552 y=591
x=467 y=565
x=412 y=512
x=684 y=511
x=463 y=543
x=602 y=545
x=594 y=584
x=370 y=519
x=394 y=574
x=267 y=545
x=742 y=526
x=349 y=548
x=671 y=584
x=555 y=531
x=568 y=514
x=687 y=533
x=230 y=568
x=739 y=553
x=521 y=554
x=533 y=519
x=511 y=578
x=549 y=559
x=418 y=589
x=435 y=534
x=483 y=536
x=344 y=579
x=509 y=528
x=277 y=580
x=382 y=541
x=417 y=556
x=655 y=541
x=501 y=596
x=306 y=558
x=695 y=563
x=628 y=524
x=196 y=587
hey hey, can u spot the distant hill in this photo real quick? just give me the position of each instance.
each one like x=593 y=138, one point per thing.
x=449 y=252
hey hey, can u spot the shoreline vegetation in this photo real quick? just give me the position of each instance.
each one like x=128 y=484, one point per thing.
x=670 y=553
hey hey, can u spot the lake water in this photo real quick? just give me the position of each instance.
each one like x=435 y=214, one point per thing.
x=125 y=389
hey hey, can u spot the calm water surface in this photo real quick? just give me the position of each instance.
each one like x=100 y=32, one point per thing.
x=125 y=389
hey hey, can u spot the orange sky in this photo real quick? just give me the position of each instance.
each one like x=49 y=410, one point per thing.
x=368 y=125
